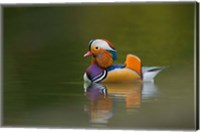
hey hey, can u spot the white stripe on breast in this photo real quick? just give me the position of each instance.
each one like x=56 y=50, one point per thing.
x=100 y=77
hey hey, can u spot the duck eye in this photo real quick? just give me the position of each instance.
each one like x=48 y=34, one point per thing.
x=96 y=47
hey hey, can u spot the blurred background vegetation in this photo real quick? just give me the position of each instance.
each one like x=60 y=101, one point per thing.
x=53 y=39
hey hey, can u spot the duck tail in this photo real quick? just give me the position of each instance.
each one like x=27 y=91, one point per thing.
x=134 y=63
x=149 y=73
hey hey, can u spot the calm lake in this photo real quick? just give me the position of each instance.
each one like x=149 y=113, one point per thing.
x=43 y=66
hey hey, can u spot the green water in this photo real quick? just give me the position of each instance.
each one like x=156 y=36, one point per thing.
x=43 y=65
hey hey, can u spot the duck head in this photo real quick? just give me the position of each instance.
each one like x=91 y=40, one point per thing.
x=102 y=51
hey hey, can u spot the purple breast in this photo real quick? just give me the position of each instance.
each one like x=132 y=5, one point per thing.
x=93 y=71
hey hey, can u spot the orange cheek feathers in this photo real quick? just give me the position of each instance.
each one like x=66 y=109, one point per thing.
x=104 y=59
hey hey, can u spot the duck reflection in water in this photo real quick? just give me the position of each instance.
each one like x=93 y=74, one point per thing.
x=104 y=97
x=100 y=107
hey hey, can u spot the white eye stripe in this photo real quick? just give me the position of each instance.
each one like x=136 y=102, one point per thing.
x=102 y=44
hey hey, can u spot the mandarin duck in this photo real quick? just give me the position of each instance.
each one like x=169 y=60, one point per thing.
x=102 y=68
